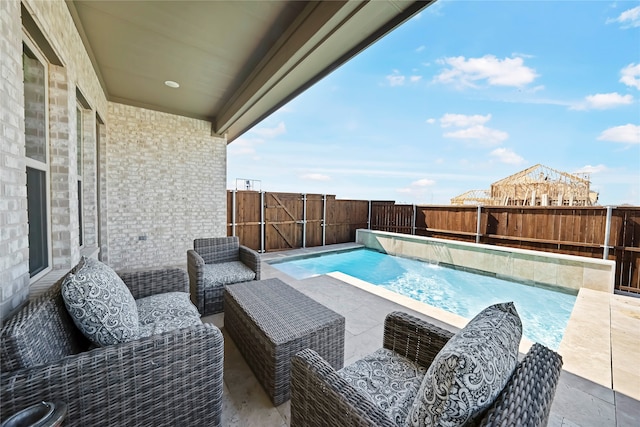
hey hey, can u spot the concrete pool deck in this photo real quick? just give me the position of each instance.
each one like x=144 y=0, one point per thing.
x=600 y=380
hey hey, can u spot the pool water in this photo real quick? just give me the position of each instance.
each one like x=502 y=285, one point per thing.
x=544 y=312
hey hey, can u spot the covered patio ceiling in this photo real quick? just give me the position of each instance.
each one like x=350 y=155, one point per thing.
x=235 y=61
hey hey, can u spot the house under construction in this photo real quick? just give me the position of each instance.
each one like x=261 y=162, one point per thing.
x=536 y=186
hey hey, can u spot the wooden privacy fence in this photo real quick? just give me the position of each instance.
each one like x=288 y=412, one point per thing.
x=268 y=221
x=598 y=232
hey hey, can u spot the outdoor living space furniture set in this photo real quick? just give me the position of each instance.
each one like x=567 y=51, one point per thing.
x=160 y=365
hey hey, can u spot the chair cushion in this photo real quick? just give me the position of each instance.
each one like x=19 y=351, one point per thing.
x=166 y=312
x=388 y=380
x=471 y=370
x=225 y=273
x=41 y=333
x=100 y=304
x=218 y=249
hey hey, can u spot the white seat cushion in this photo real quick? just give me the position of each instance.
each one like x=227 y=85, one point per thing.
x=166 y=312
x=389 y=380
x=225 y=273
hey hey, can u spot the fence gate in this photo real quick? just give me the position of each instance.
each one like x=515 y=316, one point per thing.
x=283 y=221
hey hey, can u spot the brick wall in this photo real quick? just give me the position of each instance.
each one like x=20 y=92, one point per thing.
x=101 y=190
x=166 y=178
x=152 y=182
x=14 y=243
x=63 y=169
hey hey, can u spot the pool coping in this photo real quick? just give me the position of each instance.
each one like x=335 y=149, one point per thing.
x=421 y=307
x=602 y=341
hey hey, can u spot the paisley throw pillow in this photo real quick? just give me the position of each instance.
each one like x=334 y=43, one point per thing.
x=100 y=304
x=471 y=370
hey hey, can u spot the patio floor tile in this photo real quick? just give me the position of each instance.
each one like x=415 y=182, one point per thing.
x=578 y=402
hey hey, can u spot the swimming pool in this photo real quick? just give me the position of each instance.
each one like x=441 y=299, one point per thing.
x=544 y=312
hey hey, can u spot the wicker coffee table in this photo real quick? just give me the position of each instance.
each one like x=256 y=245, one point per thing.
x=269 y=322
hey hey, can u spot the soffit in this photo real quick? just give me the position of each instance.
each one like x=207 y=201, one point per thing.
x=236 y=61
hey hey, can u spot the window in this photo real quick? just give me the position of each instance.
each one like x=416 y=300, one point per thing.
x=37 y=163
x=79 y=138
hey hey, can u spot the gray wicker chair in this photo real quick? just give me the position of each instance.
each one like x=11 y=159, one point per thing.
x=214 y=263
x=320 y=396
x=173 y=378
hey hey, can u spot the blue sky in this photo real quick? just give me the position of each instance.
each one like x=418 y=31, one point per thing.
x=462 y=95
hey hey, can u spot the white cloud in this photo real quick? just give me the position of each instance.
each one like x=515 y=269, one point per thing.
x=473 y=128
x=417 y=188
x=628 y=19
x=629 y=134
x=591 y=169
x=431 y=121
x=522 y=55
x=270 y=132
x=421 y=48
x=424 y=182
x=631 y=75
x=506 y=155
x=244 y=146
x=497 y=72
x=315 y=177
x=395 y=79
x=461 y=120
x=603 y=101
x=479 y=132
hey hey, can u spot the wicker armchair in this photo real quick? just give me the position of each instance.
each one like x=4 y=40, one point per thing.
x=214 y=263
x=320 y=396
x=173 y=378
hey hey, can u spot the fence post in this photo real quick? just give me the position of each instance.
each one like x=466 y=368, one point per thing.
x=233 y=212
x=607 y=233
x=262 y=221
x=369 y=216
x=304 y=220
x=479 y=220
x=324 y=219
x=413 y=221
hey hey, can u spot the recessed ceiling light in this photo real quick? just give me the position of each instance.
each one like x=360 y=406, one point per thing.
x=172 y=84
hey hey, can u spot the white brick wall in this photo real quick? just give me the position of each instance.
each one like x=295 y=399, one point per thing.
x=166 y=178
x=14 y=244
x=101 y=188
x=63 y=169
x=146 y=174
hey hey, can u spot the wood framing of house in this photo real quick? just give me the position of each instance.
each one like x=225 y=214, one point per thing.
x=538 y=185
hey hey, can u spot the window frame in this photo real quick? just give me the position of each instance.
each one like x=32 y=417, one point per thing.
x=36 y=164
x=80 y=169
